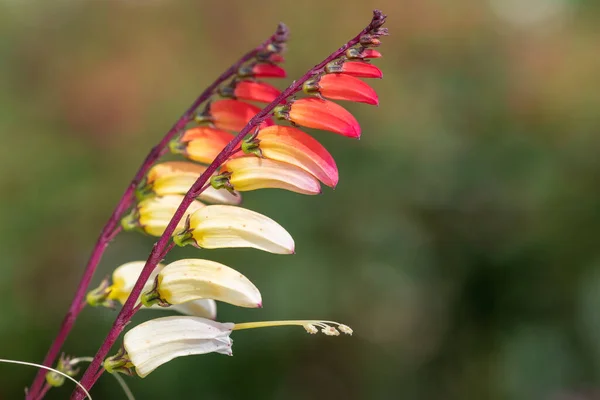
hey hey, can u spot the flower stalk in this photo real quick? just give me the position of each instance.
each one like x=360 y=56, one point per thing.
x=129 y=309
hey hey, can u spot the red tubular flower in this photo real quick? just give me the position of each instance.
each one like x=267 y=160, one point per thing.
x=230 y=115
x=266 y=70
x=320 y=114
x=362 y=53
x=342 y=87
x=255 y=91
x=201 y=144
x=354 y=68
x=293 y=146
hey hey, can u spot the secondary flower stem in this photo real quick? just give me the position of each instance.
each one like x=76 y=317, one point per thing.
x=91 y=374
x=112 y=227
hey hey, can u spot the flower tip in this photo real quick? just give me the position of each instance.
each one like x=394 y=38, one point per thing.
x=259 y=305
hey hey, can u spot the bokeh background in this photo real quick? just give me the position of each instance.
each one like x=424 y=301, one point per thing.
x=462 y=243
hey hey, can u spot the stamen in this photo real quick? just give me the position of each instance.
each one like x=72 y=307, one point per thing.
x=309 y=325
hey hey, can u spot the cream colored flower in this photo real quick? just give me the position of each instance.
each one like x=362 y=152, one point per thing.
x=193 y=279
x=221 y=226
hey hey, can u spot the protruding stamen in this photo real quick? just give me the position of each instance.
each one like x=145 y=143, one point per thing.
x=327 y=327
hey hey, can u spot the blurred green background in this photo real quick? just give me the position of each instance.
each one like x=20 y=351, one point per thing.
x=462 y=243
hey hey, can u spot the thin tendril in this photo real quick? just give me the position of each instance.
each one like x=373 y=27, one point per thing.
x=49 y=369
x=119 y=378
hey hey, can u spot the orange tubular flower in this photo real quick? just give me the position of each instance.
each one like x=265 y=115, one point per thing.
x=201 y=144
x=230 y=115
x=255 y=91
x=293 y=146
x=320 y=114
x=342 y=87
x=267 y=70
x=252 y=173
x=355 y=68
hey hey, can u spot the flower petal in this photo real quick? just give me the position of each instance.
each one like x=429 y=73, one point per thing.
x=155 y=213
x=293 y=146
x=192 y=279
x=206 y=308
x=347 y=87
x=324 y=114
x=359 y=69
x=255 y=91
x=155 y=342
x=220 y=226
x=268 y=70
x=370 y=53
x=176 y=177
x=202 y=143
x=252 y=173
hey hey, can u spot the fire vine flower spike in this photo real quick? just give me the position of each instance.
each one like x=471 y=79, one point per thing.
x=94 y=371
x=293 y=146
x=176 y=177
x=320 y=114
x=156 y=342
x=193 y=279
x=251 y=173
x=220 y=226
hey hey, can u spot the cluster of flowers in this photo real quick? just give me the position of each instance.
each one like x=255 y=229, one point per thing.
x=273 y=156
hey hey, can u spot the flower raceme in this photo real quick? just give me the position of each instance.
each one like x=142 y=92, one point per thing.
x=158 y=341
x=272 y=155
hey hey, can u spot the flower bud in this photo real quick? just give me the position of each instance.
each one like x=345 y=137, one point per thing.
x=230 y=115
x=193 y=279
x=342 y=87
x=252 y=173
x=262 y=70
x=220 y=226
x=362 y=53
x=176 y=177
x=152 y=215
x=358 y=69
x=252 y=91
x=320 y=114
x=201 y=144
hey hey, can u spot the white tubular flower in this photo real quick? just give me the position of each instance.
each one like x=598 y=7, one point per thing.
x=123 y=280
x=155 y=342
x=222 y=226
x=192 y=279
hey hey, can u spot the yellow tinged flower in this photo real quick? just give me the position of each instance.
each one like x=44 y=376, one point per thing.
x=221 y=226
x=252 y=173
x=176 y=177
x=192 y=279
x=125 y=276
x=152 y=215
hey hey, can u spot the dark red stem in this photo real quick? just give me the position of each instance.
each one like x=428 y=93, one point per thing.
x=112 y=226
x=91 y=374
